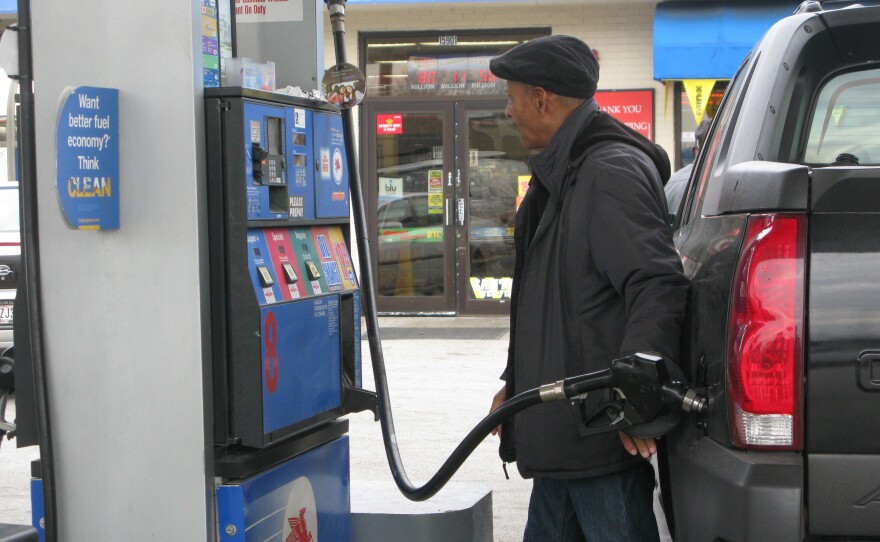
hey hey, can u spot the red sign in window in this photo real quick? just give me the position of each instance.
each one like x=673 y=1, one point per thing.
x=635 y=108
x=389 y=124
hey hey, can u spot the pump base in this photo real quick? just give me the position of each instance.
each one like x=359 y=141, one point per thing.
x=460 y=512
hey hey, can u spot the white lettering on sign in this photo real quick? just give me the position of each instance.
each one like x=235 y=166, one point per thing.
x=88 y=163
x=89 y=142
x=622 y=109
x=87 y=102
x=277 y=237
x=268 y=11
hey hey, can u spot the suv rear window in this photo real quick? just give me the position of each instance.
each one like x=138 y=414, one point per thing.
x=846 y=120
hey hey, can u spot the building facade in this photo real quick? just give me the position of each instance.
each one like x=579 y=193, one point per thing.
x=441 y=165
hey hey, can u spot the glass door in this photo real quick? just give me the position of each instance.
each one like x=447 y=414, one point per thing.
x=443 y=181
x=409 y=167
x=492 y=175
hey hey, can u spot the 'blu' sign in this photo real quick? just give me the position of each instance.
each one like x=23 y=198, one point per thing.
x=88 y=158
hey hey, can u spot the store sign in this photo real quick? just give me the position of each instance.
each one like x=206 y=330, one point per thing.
x=492 y=287
x=268 y=11
x=389 y=124
x=87 y=157
x=698 y=92
x=635 y=108
x=452 y=76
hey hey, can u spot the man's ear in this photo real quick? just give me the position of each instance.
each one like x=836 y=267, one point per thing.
x=541 y=98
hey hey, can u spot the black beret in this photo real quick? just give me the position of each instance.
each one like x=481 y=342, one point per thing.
x=563 y=65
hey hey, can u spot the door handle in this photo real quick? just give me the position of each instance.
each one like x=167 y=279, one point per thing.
x=868 y=369
x=446 y=212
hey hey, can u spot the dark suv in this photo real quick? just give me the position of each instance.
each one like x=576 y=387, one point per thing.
x=779 y=232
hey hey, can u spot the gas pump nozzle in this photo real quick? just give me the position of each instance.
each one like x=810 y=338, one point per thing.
x=641 y=398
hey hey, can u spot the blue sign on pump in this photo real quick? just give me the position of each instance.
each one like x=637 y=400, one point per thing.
x=87 y=156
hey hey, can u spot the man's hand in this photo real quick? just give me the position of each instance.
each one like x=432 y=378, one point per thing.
x=635 y=445
x=497 y=401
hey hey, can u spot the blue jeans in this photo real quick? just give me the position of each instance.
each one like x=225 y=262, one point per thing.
x=615 y=507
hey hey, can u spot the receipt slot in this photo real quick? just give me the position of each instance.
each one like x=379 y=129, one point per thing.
x=285 y=314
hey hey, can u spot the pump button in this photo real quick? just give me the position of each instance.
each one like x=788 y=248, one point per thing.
x=289 y=273
x=265 y=276
x=314 y=273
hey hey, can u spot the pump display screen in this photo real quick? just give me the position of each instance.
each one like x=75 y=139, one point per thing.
x=274 y=134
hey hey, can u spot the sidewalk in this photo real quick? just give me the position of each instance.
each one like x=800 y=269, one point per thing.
x=442 y=374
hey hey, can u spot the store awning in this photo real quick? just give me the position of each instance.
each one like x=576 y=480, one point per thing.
x=709 y=40
x=8 y=6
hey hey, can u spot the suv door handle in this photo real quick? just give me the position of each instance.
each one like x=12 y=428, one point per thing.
x=868 y=370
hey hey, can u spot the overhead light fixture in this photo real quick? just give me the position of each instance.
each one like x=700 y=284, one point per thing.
x=435 y=44
x=488 y=43
x=391 y=44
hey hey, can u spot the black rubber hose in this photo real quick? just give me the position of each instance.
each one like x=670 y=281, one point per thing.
x=386 y=420
x=572 y=386
x=30 y=250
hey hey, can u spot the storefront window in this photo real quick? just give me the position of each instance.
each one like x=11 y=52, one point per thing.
x=687 y=122
x=448 y=63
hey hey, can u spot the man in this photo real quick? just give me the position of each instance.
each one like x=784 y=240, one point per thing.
x=678 y=181
x=596 y=277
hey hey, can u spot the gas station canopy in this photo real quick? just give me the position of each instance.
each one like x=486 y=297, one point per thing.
x=709 y=40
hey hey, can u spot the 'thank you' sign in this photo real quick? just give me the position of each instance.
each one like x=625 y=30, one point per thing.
x=87 y=158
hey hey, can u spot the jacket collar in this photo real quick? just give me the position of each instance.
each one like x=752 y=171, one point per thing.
x=550 y=164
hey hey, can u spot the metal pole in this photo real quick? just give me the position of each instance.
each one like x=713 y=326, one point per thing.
x=30 y=251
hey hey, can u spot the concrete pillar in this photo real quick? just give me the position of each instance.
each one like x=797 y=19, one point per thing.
x=125 y=324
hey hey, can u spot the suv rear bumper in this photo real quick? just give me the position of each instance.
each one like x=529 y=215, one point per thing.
x=722 y=493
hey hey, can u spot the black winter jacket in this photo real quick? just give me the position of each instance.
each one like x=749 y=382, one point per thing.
x=596 y=277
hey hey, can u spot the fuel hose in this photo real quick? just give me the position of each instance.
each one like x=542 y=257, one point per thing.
x=561 y=390
x=31 y=263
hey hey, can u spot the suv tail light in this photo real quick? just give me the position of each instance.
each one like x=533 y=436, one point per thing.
x=766 y=335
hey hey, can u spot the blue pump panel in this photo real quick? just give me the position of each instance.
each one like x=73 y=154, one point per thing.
x=265 y=127
x=301 y=361
x=37 y=511
x=331 y=180
x=304 y=499
x=302 y=166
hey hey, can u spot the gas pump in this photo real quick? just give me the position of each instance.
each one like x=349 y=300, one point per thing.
x=285 y=313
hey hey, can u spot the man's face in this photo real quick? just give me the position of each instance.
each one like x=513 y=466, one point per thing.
x=522 y=109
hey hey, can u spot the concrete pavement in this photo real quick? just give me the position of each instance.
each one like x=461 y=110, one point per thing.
x=442 y=374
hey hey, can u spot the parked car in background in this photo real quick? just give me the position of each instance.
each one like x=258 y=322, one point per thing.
x=779 y=233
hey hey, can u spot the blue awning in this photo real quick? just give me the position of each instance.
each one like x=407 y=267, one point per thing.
x=8 y=6
x=709 y=40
